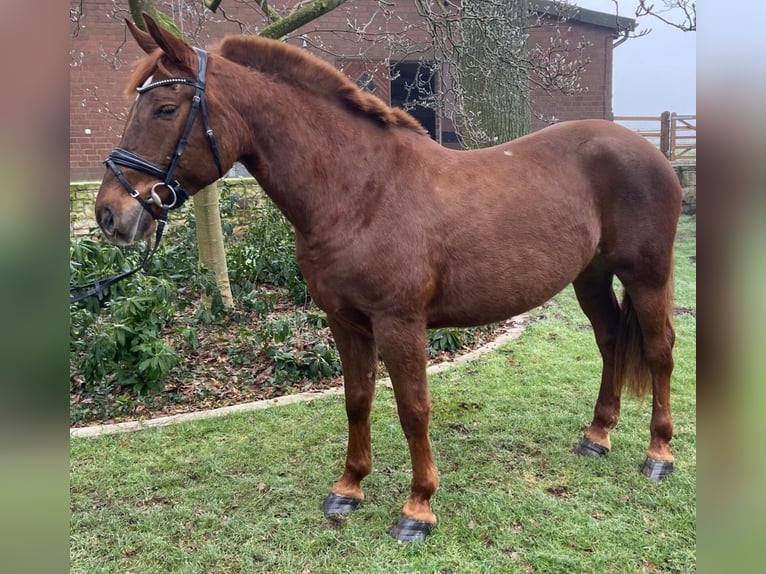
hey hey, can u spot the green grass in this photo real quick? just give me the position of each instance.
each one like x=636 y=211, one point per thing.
x=242 y=493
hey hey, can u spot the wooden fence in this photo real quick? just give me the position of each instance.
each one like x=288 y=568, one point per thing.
x=674 y=134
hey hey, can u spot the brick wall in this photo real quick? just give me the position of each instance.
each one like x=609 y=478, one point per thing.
x=595 y=101
x=102 y=54
x=96 y=88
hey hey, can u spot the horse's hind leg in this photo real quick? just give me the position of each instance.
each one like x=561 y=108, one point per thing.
x=652 y=305
x=595 y=294
x=360 y=362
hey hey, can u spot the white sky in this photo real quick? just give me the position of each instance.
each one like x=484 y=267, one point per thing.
x=656 y=72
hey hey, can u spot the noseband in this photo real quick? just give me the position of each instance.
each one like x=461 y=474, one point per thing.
x=122 y=157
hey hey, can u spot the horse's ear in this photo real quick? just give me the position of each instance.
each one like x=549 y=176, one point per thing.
x=144 y=40
x=175 y=48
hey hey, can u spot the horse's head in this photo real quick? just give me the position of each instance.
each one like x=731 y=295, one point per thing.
x=167 y=151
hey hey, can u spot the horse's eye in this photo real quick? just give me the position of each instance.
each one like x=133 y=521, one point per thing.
x=165 y=111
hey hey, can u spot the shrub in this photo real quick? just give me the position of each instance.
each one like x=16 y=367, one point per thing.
x=265 y=253
x=124 y=344
x=317 y=362
x=445 y=340
x=452 y=340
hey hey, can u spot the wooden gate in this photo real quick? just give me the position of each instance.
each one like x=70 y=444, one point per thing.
x=674 y=134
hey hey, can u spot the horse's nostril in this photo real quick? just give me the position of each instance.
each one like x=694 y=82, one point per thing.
x=105 y=219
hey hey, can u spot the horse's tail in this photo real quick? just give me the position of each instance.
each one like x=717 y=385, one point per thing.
x=631 y=368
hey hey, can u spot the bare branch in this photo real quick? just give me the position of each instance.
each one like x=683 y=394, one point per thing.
x=301 y=16
x=244 y=27
x=76 y=16
x=272 y=14
x=686 y=20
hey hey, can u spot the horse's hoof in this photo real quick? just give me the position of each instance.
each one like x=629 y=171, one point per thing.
x=587 y=447
x=338 y=506
x=410 y=530
x=657 y=469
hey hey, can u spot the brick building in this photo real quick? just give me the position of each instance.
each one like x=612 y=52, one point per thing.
x=102 y=54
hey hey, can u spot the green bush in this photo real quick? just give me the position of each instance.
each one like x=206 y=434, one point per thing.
x=452 y=340
x=126 y=347
x=118 y=342
x=265 y=254
x=317 y=362
x=445 y=340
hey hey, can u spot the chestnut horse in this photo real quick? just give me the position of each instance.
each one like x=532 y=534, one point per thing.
x=396 y=234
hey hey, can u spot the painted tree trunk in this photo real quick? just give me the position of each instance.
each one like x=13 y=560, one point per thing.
x=212 y=254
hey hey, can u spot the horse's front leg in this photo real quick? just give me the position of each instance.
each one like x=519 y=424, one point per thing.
x=360 y=363
x=403 y=348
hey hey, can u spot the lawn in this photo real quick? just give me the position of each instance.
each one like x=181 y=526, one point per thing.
x=242 y=493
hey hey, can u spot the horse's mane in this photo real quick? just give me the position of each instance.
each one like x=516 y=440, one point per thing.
x=296 y=66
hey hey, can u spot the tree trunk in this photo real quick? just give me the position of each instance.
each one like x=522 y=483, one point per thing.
x=212 y=253
x=494 y=86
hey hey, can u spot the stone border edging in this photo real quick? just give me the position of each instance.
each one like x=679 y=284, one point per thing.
x=132 y=426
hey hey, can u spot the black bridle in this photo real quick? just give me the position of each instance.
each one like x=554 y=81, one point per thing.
x=122 y=157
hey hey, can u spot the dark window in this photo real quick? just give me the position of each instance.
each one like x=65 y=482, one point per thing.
x=366 y=83
x=412 y=88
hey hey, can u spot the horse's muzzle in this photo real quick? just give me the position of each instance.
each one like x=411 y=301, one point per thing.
x=105 y=220
x=125 y=225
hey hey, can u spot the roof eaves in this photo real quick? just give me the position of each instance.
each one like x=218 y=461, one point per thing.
x=572 y=12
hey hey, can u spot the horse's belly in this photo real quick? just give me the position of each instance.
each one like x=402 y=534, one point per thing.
x=482 y=296
x=474 y=309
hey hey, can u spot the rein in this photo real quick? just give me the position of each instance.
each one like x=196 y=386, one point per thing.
x=122 y=157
